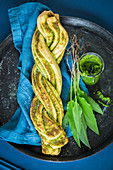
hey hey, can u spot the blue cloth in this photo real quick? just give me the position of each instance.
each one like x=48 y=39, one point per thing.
x=20 y=129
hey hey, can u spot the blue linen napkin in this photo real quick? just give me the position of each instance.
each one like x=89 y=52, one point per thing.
x=19 y=129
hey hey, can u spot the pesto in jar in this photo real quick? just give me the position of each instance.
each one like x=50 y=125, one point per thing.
x=91 y=66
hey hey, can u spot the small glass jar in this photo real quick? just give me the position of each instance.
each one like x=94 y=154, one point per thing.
x=91 y=65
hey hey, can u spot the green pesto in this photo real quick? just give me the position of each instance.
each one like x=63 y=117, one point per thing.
x=90 y=68
x=90 y=65
x=105 y=105
x=104 y=99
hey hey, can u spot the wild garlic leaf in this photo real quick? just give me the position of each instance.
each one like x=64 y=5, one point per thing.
x=88 y=114
x=74 y=132
x=77 y=112
x=83 y=135
x=65 y=121
x=93 y=104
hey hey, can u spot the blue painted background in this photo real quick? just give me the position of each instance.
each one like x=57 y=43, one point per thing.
x=98 y=11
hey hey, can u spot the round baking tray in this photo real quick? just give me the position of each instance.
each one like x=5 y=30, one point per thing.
x=101 y=42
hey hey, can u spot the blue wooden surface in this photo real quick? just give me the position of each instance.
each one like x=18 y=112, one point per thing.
x=98 y=11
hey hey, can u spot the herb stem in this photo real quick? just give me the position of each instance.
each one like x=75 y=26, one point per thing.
x=71 y=89
x=75 y=86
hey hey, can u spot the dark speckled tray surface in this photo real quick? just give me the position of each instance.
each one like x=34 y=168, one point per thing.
x=101 y=42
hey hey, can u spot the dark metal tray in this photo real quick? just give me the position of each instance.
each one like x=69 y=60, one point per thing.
x=101 y=42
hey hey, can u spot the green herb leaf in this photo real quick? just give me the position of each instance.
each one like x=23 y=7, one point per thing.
x=88 y=114
x=93 y=104
x=77 y=112
x=83 y=135
x=65 y=121
x=75 y=134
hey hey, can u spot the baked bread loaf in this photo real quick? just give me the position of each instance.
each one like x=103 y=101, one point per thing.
x=48 y=45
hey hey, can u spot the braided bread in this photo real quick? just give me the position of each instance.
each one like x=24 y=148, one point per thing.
x=48 y=45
